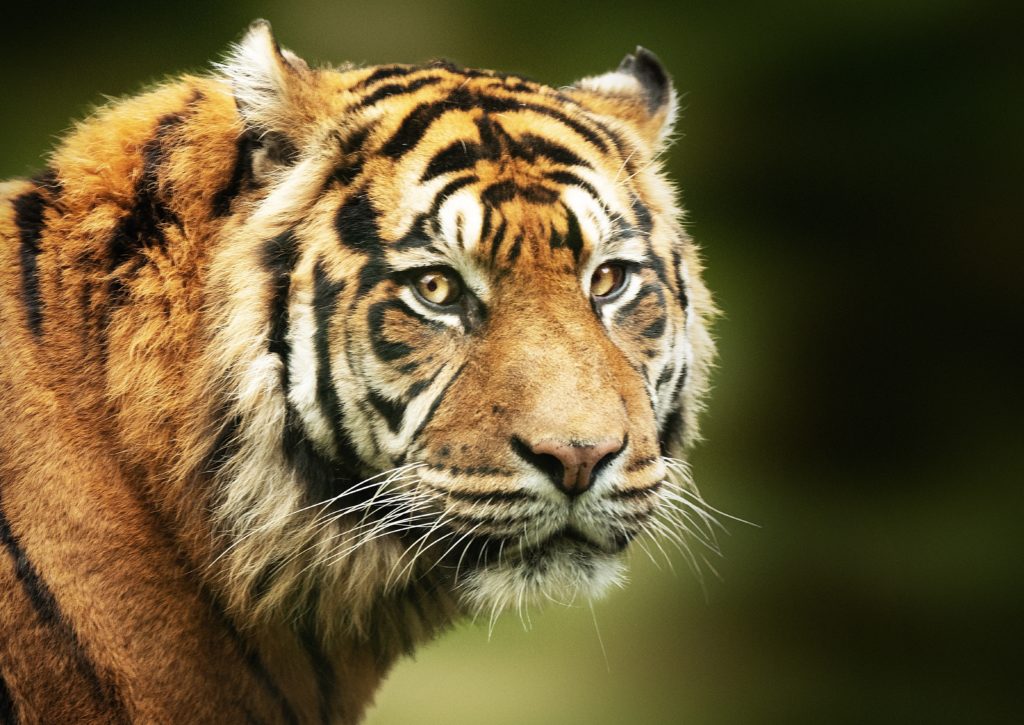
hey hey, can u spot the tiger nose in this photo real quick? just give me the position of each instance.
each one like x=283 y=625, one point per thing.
x=572 y=466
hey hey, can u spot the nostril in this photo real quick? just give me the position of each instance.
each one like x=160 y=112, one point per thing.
x=608 y=452
x=547 y=463
x=571 y=466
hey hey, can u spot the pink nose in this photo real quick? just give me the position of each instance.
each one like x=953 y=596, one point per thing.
x=571 y=466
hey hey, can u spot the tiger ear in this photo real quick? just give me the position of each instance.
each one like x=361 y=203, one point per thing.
x=274 y=92
x=639 y=92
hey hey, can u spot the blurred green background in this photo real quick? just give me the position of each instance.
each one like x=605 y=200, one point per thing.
x=855 y=173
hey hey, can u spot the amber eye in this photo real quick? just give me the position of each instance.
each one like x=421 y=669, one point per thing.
x=438 y=286
x=607 y=280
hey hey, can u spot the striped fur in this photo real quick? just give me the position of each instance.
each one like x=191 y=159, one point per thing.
x=245 y=465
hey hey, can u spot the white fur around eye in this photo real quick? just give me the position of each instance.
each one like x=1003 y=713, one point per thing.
x=412 y=299
x=594 y=222
x=461 y=220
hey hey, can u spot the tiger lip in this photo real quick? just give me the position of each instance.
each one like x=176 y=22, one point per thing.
x=572 y=536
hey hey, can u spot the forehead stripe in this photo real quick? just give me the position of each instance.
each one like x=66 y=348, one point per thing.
x=507 y=190
x=387 y=71
x=411 y=131
x=461 y=155
x=395 y=89
x=567 y=178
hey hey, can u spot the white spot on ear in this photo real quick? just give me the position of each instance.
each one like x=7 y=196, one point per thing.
x=461 y=220
x=625 y=85
x=615 y=83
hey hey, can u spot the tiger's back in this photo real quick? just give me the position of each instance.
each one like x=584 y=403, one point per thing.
x=246 y=464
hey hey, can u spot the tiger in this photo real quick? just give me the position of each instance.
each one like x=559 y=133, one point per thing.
x=302 y=365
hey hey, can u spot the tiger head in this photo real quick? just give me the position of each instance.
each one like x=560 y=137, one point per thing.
x=476 y=337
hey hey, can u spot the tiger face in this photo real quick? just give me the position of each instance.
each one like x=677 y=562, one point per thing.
x=487 y=330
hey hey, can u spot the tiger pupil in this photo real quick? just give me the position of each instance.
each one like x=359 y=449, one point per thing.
x=438 y=288
x=606 y=280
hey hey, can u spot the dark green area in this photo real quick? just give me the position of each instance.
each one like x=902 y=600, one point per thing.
x=855 y=173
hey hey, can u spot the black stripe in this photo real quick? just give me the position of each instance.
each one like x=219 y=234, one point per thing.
x=681 y=293
x=656 y=329
x=325 y=300
x=251 y=658
x=392 y=411
x=674 y=423
x=395 y=89
x=499 y=235
x=280 y=255
x=529 y=146
x=496 y=143
x=241 y=175
x=144 y=224
x=356 y=223
x=417 y=237
x=630 y=494
x=630 y=307
x=437 y=402
x=350 y=170
x=415 y=126
x=387 y=71
x=225 y=444
x=385 y=348
x=8 y=713
x=507 y=190
x=513 y=251
x=664 y=377
x=29 y=217
x=573 y=238
x=486 y=497
x=639 y=464
x=48 y=611
x=459 y=156
x=644 y=220
x=416 y=123
x=323 y=670
x=570 y=179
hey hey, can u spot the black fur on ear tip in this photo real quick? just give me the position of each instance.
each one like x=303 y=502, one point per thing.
x=644 y=65
x=264 y=24
x=260 y=24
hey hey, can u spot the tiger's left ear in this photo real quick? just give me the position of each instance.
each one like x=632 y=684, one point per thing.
x=638 y=92
x=275 y=91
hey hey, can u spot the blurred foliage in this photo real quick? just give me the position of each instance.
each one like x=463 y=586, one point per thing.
x=853 y=170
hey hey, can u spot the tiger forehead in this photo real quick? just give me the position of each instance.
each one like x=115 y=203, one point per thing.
x=404 y=115
x=382 y=81
x=454 y=163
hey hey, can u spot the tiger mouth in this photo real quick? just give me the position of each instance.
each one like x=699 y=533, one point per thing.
x=572 y=542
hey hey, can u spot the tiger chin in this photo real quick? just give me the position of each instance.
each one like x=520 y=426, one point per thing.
x=301 y=365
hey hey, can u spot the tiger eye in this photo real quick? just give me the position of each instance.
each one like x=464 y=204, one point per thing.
x=607 y=279
x=438 y=287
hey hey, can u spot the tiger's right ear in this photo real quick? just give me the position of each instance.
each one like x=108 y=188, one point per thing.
x=639 y=92
x=275 y=92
